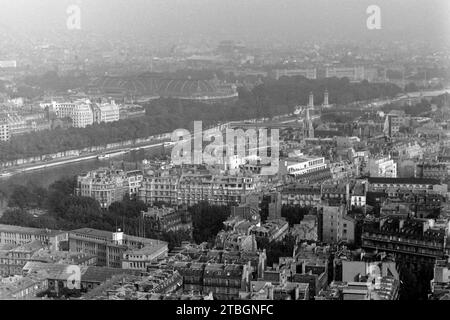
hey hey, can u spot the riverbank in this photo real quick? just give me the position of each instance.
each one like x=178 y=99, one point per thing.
x=60 y=162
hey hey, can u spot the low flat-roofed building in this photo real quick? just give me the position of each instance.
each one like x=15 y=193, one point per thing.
x=299 y=166
x=110 y=248
x=58 y=275
x=21 y=235
x=140 y=258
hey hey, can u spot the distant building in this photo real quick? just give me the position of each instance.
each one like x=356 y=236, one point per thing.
x=307 y=73
x=82 y=116
x=79 y=111
x=433 y=170
x=4 y=131
x=105 y=112
x=131 y=111
x=352 y=73
x=394 y=121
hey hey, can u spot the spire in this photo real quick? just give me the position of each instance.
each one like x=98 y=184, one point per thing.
x=311 y=100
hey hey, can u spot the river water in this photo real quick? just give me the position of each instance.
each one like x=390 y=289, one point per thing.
x=46 y=177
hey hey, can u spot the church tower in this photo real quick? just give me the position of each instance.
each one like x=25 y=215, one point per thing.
x=311 y=100
x=325 y=99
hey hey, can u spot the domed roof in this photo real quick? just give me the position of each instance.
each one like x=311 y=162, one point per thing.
x=150 y=84
x=186 y=87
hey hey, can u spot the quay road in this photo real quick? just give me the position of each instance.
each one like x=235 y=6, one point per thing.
x=59 y=162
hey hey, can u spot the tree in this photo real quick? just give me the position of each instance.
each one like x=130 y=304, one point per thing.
x=207 y=221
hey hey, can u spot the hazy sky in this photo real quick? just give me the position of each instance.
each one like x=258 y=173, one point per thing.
x=235 y=19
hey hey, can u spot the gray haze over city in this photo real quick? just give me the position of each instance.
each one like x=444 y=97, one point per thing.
x=247 y=20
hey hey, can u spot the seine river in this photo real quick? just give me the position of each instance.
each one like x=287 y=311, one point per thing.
x=46 y=177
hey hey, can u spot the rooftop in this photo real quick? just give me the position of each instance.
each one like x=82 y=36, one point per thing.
x=33 y=231
x=402 y=180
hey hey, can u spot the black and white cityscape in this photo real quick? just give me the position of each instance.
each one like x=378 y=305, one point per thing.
x=224 y=150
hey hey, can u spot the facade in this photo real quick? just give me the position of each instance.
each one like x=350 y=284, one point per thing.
x=337 y=193
x=160 y=188
x=410 y=184
x=105 y=112
x=441 y=280
x=418 y=238
x=4 y=131
x=352 y=73
x=383 y=167
x=337 y=226
x=13 y=260
x=106 y=185
x=224 y=281
x=141 y=259
x=272 y=230
x=168 y=219
x=23 y=235
x=314 y=273
x=82 y=116
x=22 y=288
x=394 y=121
x=433 y=171
x=307 y=73
x=301 y=194
x=300 y=166
x=358 y=195
x=194 y=187
x=135 y=179
x=79 y=111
